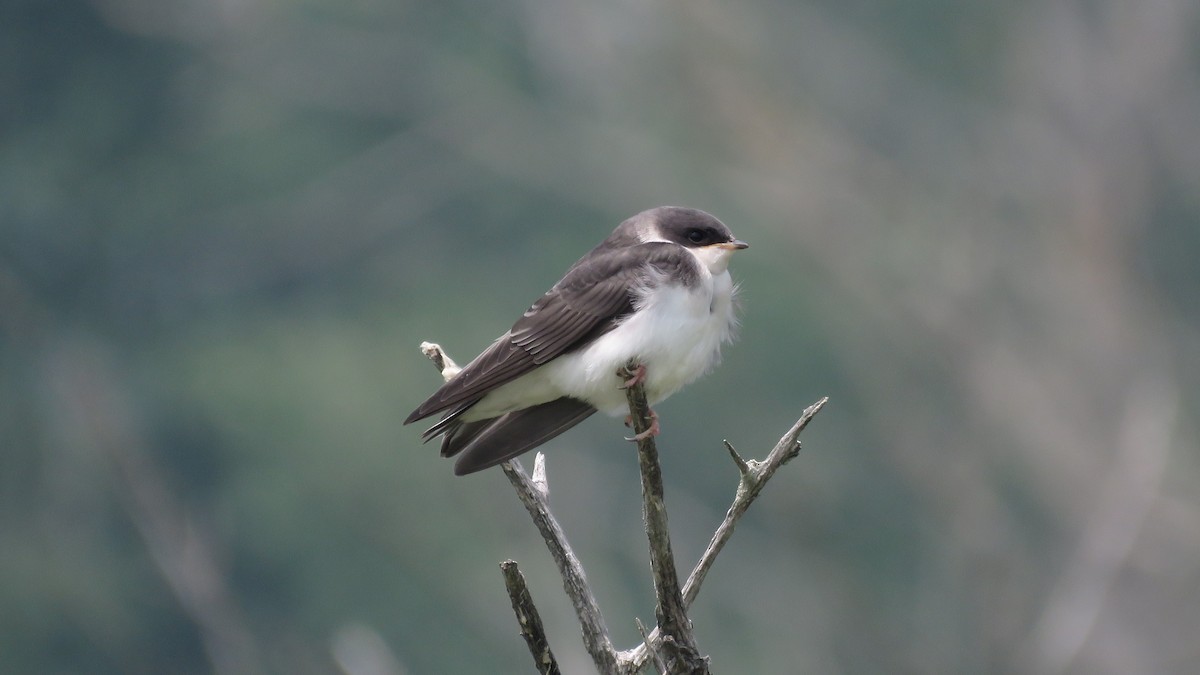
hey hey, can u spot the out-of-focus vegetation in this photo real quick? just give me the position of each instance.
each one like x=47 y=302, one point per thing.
x=226 y=225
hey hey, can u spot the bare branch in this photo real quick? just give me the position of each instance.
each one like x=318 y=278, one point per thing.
x=533 y=493
x=678 y=640
x=749 y=487
x=595 y=634
x=529 y=619
x=743 y=467
x=659 y=666
x=753 y=478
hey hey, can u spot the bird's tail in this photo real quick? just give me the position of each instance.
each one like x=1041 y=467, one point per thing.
x=486 y=443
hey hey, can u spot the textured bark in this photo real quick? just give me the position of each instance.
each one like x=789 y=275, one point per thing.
x=529 y=619
x=678 y=643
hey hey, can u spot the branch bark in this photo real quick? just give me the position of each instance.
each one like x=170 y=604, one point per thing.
x=529 y=619
x=678 y=641
x=595 y=634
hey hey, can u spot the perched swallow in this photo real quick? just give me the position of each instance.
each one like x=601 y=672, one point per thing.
x=657 y=291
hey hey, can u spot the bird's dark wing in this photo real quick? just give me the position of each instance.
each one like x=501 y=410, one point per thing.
x=488 y=442
x=594 y=296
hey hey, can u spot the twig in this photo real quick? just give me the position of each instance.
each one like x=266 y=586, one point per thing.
x=533 y=494
x=673 y=623
x=445 y=365
x=595 y=634
x=539 y=476
x=529 y=619
x=658 y=662
x=743 y=467
x=754 y=476
x=753 y=479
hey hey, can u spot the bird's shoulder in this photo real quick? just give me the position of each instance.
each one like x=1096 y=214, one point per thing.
x=593 y=297
x=608 y=269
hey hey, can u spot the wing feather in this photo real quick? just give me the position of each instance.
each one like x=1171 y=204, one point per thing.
x=592 y=299
x=488 y=442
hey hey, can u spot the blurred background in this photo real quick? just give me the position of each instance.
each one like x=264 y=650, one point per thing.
x=226 y=225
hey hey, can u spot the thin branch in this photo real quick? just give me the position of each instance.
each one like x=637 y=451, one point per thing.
x=743 y=467
x=749 y=487
x=529 y=619
x=754 y=477
x=660 y=667
x=673 y=623
x=595 y=634
x=533 y=494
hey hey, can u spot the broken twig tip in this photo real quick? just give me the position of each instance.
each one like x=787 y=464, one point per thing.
x=445 y=365
x=742 y=465
x=539 y=475
x=658 y=659
x=528 y=618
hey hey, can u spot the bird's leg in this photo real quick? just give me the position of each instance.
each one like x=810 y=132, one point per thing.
x=652 y=431
x=636 y=376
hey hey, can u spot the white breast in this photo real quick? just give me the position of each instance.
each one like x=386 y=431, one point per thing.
x=676 y=332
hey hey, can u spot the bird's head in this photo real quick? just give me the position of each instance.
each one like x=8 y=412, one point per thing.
x=708 y=238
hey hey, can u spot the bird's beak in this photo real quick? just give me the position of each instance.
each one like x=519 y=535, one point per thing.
x=735 y=245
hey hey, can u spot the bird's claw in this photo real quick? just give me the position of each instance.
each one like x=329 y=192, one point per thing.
x=636 y=376
x=651 y=431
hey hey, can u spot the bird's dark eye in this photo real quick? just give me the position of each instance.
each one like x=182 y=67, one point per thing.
x=697 y=236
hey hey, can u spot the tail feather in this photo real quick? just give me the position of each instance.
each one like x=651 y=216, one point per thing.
x=486 y=443
x=448 y=422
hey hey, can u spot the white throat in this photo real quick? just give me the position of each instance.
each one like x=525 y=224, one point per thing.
x=714 y=258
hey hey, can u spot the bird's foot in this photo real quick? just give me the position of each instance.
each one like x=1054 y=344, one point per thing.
x=652 y=431
x=636 y=376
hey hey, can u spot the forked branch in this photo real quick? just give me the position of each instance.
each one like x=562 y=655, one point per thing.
x=672 y=639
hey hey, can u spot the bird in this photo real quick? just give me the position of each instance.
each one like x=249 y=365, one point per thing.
x=657 y=292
